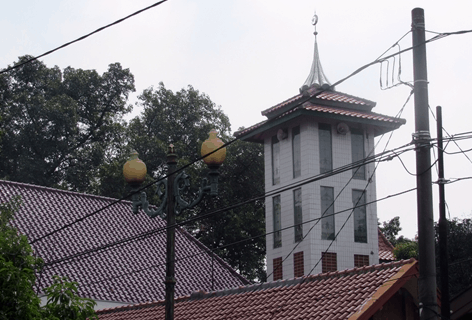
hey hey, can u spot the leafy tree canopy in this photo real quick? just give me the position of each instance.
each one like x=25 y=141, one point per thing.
x=18 y=266
x=459 y=243
x=58 y=126
x=391 y=229
x=64 y=129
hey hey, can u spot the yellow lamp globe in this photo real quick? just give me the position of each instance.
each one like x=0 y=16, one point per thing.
x=134 y=170
x=211 y=144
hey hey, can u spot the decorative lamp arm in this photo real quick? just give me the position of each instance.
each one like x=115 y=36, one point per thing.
x=140 y=201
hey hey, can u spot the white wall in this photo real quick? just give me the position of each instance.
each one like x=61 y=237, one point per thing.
x=344 y=245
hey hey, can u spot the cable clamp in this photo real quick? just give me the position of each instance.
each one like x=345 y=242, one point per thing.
x=442 y=181
x=421 y=80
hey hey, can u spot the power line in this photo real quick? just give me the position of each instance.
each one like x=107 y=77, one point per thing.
x=237 y=242
x=358 y=200
x=461 y=151
x=82 y=37
x=305 y=99
x=129 y=195
x=200 y=217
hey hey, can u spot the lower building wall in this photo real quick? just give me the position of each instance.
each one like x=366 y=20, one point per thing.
x=400 y=306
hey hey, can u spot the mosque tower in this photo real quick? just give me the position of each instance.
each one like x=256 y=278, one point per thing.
x=321 y=213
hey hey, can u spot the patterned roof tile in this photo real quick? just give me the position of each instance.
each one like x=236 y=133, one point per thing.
x=300 y=298
x=385 y=248
x=132 y=271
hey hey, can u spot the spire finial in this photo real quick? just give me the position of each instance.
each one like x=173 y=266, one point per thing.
x=314 y=21
x=316 y=77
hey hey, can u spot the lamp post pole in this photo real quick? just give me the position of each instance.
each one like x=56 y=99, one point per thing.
x=170 y=254
x=172 y=202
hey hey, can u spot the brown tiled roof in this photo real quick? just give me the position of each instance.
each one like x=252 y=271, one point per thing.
x=133 y=271
x=350 y=294
x=385 y=248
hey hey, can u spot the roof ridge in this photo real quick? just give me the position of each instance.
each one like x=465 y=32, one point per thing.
x=50 y=189
x=293 y=281
x=201 y=294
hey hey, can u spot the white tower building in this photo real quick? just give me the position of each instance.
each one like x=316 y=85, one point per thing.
x=320 y=209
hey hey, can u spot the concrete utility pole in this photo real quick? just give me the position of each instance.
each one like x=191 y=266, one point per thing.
x=427 y=261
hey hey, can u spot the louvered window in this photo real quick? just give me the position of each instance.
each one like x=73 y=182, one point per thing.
x=329 y=262
x=298 y=264
x=278 y=272
x=361 y=260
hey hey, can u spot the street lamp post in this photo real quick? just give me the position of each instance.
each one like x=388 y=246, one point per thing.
x=172 y=202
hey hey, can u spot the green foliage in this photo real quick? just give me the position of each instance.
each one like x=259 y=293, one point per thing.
x=242 y=178
x=183 y=118
x=18 y=264
x=391 y=229
x=406 y=250
x=59 y=126
x=63 y=302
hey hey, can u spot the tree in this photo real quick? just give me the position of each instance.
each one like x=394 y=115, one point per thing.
x=242 y=179
x=185 y=118
x=58 y=126
x=459 y=243
x=406 y=250
x=390 y=229
x=18 y=264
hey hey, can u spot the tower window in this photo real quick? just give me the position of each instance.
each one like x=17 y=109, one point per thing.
x=277 y=267
x=326 y=147
x=358 y=153
x=298 y=264
x=275 y=160
x=360 y=219
x=328 y=262
x=298 y=215
x=277 y=222
x=296 y=152
x=327 y=213
x=361 y=260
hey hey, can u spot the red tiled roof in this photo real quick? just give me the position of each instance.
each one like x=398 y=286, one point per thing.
x=350 y=294
x=385 y=248
x=350 y=113
x=323 y=103
x=133 y=271
x=324 y=95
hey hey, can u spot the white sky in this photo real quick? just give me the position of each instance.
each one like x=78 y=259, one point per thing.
x=249 y=55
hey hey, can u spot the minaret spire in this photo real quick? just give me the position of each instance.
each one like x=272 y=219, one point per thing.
x=316 y=77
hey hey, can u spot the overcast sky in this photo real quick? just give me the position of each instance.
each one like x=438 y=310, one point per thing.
x=249 y=55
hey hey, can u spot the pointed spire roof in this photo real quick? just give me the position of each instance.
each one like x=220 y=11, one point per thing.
x=316 y=77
